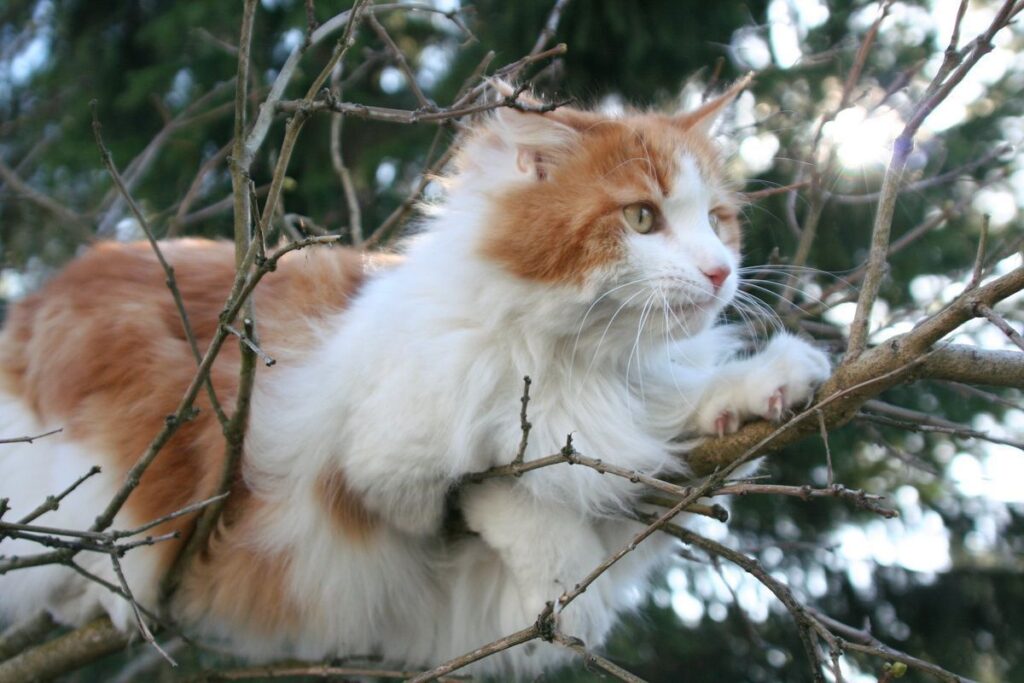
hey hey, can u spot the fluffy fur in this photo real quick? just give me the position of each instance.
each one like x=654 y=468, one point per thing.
x=396 y=378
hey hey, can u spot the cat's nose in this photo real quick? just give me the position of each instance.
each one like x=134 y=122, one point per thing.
x=717 y=276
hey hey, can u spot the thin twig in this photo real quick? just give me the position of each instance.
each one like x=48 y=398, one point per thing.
x=865 y=501
x=862 y=641
x=501 y=644
x=187 y=510
x=979 y=259
x=53 y=502
x=962 y=432
x=170 y=281
x=807 y=626
x=592 y=659
x=997 y=320
x=524 y=422
x=355 y=214
x=147 y=635
x=828 y=451
x=31 y=439
x=267 y=360
x=550 y=28
x=399 y=59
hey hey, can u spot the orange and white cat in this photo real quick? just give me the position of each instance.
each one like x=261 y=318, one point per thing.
x=591 y=252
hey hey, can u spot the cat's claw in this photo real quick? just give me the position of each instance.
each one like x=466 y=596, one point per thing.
x=776 y=405
x=726 y=423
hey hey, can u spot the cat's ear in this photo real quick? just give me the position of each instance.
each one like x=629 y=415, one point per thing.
x=704 y=117
x=539 y=138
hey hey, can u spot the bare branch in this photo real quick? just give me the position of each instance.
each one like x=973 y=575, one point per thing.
x=65 y=653
x=267 y=360
x=997 y=320
x=550 y=27
x=31 y=439
x=53 y=502
x=524 y=423
x=865 y=501
x=147 y=635
x=808 y=627
x=296 y=670
x=500 y=645
x=893 y=181
x=862 y=641
x=38 y=198
x=399 y=59
x=593 y=660
x=355 y=214
x=26 y=634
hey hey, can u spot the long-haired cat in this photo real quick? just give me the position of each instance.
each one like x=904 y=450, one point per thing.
x=591 y=252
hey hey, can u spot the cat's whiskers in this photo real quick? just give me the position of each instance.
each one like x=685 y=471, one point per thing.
x=765 y=290
x=583 y=322
x=786 y=268
x=670 y=344
x=764 y=286
x=764 y=313
x=604 y=334
x=641 y=323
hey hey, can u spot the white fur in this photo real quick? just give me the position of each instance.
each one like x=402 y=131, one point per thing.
x=29 y=472
x=418 y=384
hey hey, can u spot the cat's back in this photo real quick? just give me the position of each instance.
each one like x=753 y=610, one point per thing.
x=101 y=353
x=107 y=320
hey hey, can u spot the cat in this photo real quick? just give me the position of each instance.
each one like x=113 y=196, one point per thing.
x=592 y=252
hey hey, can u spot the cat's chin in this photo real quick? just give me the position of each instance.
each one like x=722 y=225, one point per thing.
x=693 y=309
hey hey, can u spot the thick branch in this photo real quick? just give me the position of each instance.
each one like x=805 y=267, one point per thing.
x=64 y=654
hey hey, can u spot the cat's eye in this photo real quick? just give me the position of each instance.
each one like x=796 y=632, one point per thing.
x=715 y=221
x=640 y=217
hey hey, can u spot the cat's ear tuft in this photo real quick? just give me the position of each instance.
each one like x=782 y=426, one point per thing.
x=538 y=138
x=704 y=117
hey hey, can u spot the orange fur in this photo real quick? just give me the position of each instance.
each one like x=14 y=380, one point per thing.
x=347 y=511
x=239 y=582
x=102 y=352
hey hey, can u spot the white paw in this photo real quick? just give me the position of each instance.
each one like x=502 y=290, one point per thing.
x=722 y=410
x=770 y=385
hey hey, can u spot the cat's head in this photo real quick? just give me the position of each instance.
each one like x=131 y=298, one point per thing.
x=594 y=202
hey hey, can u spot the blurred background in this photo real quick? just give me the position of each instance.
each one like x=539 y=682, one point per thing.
x=944 y=581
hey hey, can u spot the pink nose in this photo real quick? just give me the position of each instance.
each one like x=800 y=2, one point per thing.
x=717 y=276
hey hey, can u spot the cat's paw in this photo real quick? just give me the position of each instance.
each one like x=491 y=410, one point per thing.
x=769 y=385
x=722 y=411
x=786 y=374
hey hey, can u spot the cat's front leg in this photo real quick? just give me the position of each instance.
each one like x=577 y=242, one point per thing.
x=547 y=549
x=768 y=385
